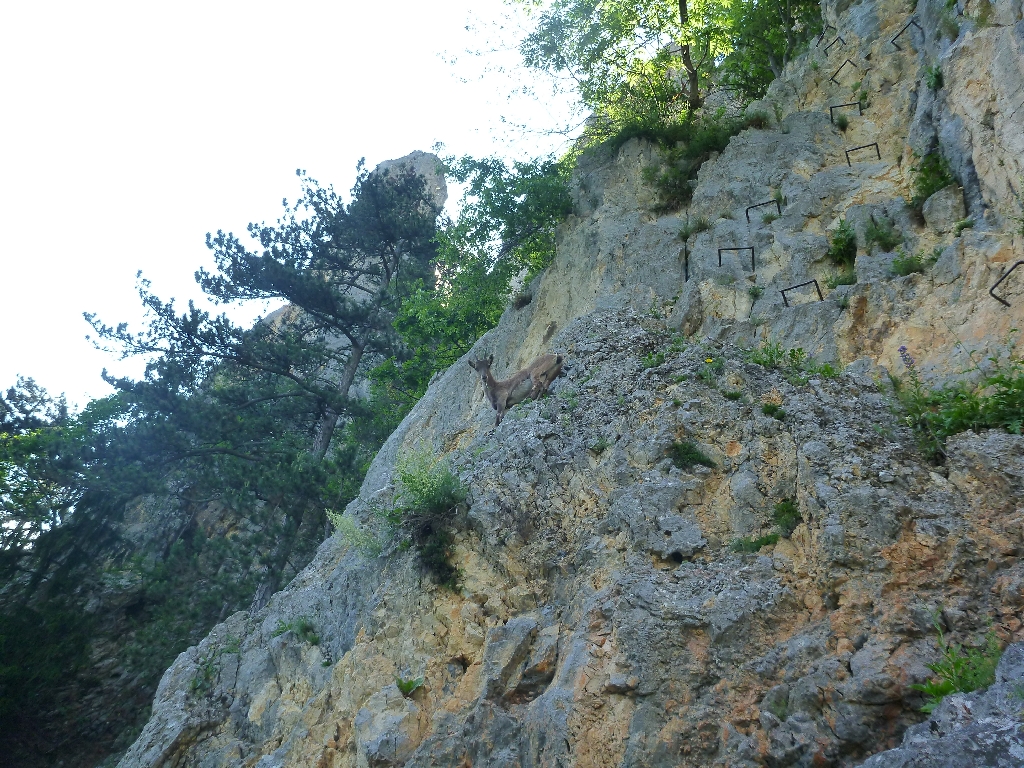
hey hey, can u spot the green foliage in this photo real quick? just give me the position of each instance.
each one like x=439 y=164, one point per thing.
x=623 y=59
x=842 y=122
x=732 y=395
x=506 y=228
x=653 y=360
x=710 y=369
x=787 y=517
x=764 y=37
x=768 y=218
x=364 y=541
x=600 y=445
x=427 y=499
x=960 y=670
x=751 y=544
x=795 y=363
x=755 y=292
x=933 y=77
x=842 y=245
x=931 y=174
x=907 y=264
x=882 y=234
x=684 y=150
x=759 y=119
x=685 y=454
x=773 y=410
x=846 y=277
x=408 y=686
x=961 y=225
x=994 y=400
x=205 y=678
x=302 y=627
x=691 y=228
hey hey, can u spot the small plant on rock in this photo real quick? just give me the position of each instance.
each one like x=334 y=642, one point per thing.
x=750 y=544
x=759 y=120
x=302 y=627
x=755 y=292
x=685 y=454
x=842 y=122
x=653 y=360
x=600 y=445
x=906 y=264
x=883 y=234
x=961 y=225
x=712 y=368
x=846 y=277
x=787 y=517
x=773 y=410
x=842 y=245
x=408 y=686
x=693 y=227
x=960 y=670
x=931 y=174
x=732 y=395
x=933 y=77
x=768 y=218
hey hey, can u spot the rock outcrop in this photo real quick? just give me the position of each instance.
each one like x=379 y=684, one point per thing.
x=604 y=618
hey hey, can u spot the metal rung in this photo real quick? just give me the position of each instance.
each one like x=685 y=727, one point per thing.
x=744 y=248
x=833 y=78
x=904 y=29
x=837 y=40
x=686 y=264
x=860 y=109
x=801 y=285
x=1006 y=274
x=863 y=146
x=766 y=202
x=822 y=35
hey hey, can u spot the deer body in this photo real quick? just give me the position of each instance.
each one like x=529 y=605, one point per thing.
x=531 y=382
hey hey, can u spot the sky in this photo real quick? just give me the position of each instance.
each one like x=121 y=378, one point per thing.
x=130 y=130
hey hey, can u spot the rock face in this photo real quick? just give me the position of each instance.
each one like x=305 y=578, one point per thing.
x=603 y=618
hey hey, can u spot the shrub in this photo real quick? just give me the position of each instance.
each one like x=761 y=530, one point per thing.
x=960 y=670
x=686 y=148
x=753 y=545
x=429 y=495
x=364 y=542
x=842 y=122
x=933 y=77
x=906 y=264
x=787 y=517
x=756 y=292
x=842 y=245
x=302 y=627
x=931 y=174
x=732 y=395
x=846 y=277
x=773 y=410
x=994 y=400
x=685 y=454
x=883 y=234
x=759 y=119
x=690 y=228
x=768 y=218
x=600 y=445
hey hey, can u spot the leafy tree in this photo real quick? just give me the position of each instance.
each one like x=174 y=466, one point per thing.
x=631 y=62
x=505 y=231
x=764 y=36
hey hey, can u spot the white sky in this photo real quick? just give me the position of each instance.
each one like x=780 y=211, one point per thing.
x=128 y=130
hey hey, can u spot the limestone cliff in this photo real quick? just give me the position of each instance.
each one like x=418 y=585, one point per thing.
x=603 y=618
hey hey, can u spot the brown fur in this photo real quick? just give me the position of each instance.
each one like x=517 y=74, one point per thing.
x=531 y=382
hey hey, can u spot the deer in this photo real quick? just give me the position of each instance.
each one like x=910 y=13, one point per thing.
x=531 y=382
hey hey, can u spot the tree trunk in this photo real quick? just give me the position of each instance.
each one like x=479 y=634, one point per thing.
x=325 y=429
x=692 y=76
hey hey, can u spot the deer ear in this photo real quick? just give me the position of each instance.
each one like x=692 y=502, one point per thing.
x=490 y=359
